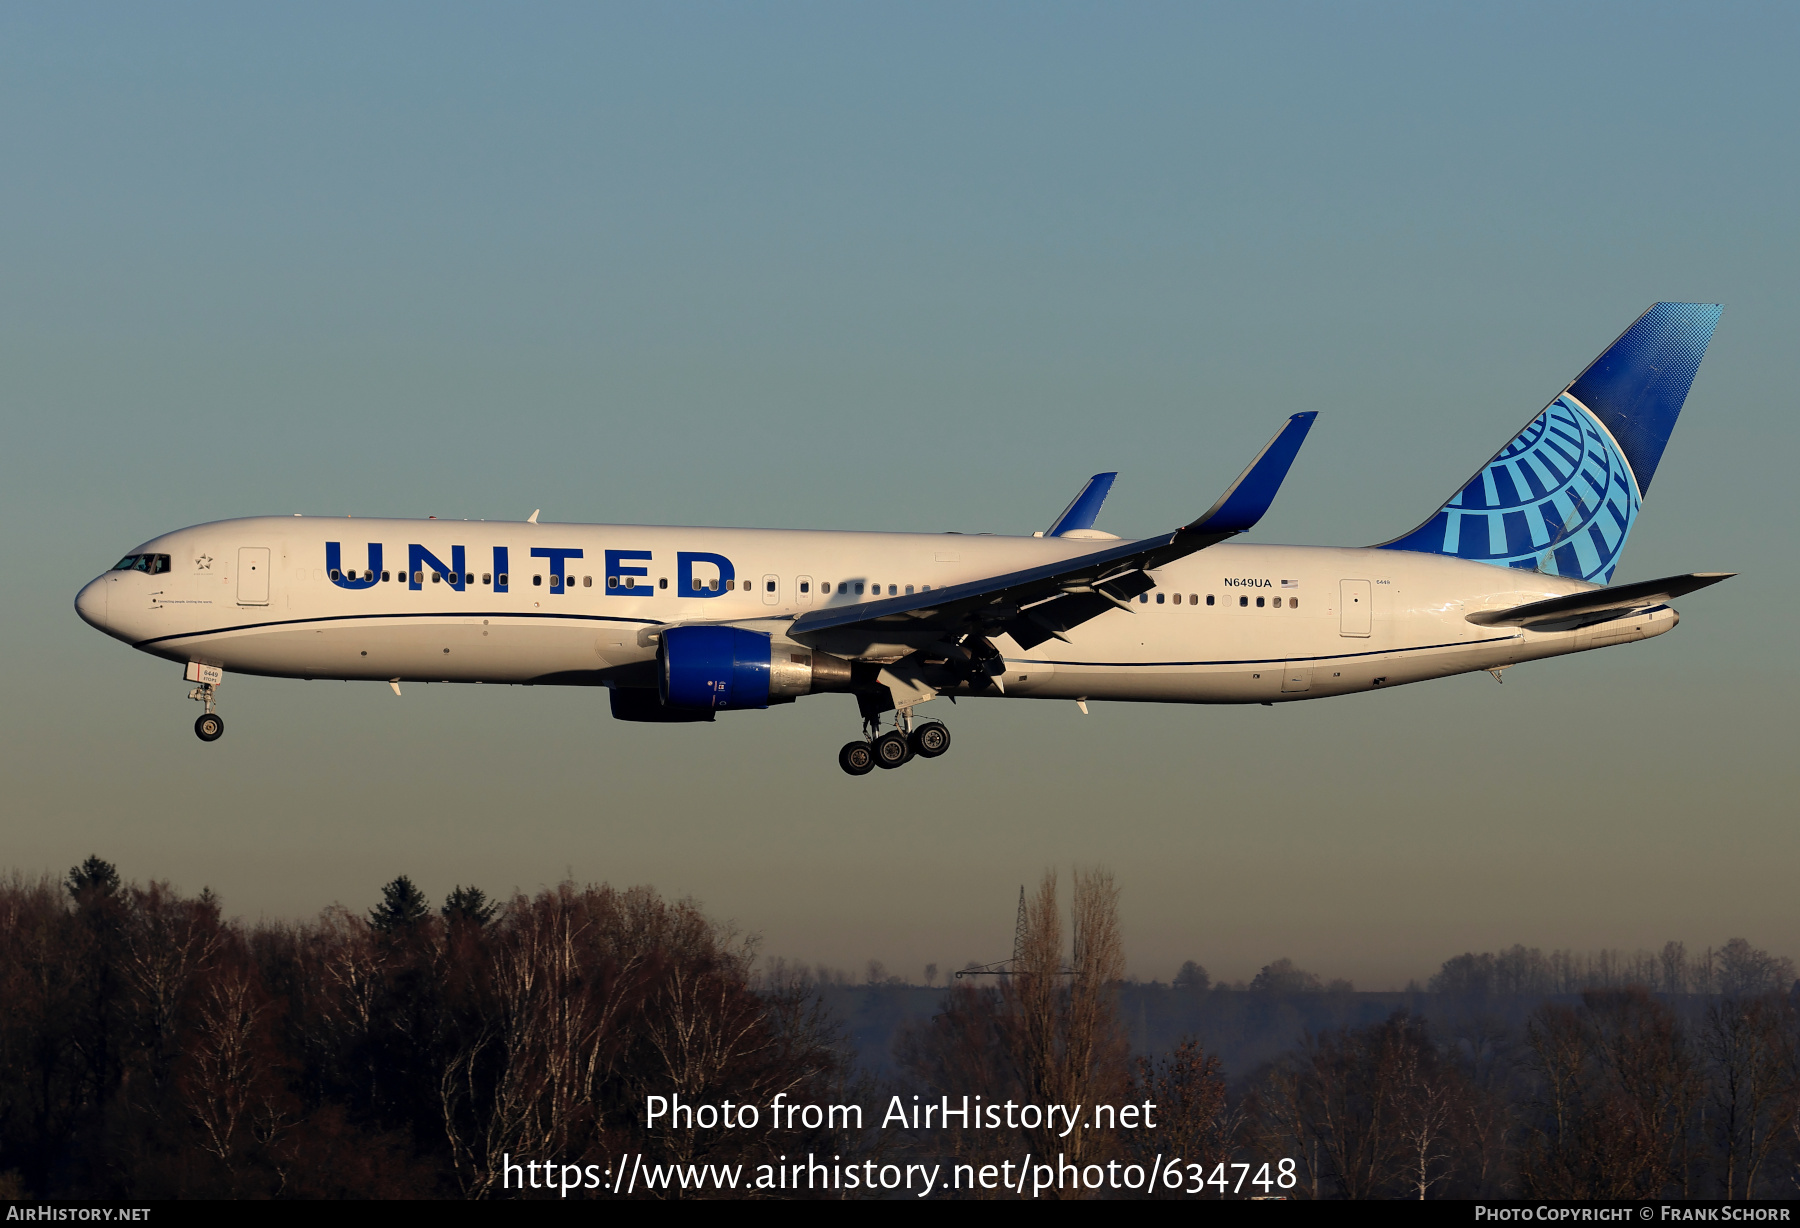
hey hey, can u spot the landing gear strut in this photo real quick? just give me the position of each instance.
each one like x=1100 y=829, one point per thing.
x=895 y=748
x=210 y=724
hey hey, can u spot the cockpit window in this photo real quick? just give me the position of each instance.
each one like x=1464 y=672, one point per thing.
x=155 y=564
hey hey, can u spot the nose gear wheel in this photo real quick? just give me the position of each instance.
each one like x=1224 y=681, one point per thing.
x=210 y=726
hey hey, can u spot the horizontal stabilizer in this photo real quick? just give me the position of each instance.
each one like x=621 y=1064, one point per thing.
x=1084 y=509
x=1600 y=603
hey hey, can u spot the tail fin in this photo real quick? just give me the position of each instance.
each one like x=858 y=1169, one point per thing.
x=1561 y=497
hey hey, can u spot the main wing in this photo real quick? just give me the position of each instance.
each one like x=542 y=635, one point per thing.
x=1040 y=603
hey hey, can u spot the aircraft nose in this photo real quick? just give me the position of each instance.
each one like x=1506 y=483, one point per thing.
x=90 y=603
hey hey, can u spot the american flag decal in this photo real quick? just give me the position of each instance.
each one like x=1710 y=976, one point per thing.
x=1290 y=584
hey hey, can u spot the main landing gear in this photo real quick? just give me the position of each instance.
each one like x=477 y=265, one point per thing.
x=899 y=745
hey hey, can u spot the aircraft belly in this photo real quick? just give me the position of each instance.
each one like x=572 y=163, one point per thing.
x=473 y=651
x=1252 y=656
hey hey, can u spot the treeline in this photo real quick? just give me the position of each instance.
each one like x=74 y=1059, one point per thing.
x=1736 y=970
x=150 y=1048
x=1493 y=1086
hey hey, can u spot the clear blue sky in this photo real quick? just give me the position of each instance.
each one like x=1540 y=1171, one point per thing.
x=916 y=267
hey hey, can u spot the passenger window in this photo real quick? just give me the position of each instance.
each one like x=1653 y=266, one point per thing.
x=487 y=577
x=1143 y=598
x=1293 y=603
x=1177 y=598
x=334 y=574
x=696 y=584
x=825 y=589
x=503 y=579
x=384 y=577
x=663 y=583
x=891 y=590
x=537 y=580
x=859 y=588
x=1159 y=598
x=1243 y=601
x=927 y=588
x=612 y=582
x=1194 y=599
x=713 y=585
x=588 y=582
x=909 y=589
x=418 y=577
x=1259 y=603
x=437 y=577
x=630 y=581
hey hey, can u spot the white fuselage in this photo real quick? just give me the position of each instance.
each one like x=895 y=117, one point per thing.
x=1230 y=624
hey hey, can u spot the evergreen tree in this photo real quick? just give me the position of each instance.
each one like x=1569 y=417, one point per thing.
x=93 y=874
x=402 y=907
x=469 y=904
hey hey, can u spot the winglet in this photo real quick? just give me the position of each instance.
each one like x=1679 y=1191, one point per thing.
x=1241 y=506
x=1084 y=509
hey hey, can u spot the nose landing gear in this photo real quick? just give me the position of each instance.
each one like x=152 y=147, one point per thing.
x=210 y=726
x=895 y=748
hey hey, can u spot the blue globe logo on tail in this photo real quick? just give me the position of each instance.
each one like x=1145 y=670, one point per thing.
x=1561 y=497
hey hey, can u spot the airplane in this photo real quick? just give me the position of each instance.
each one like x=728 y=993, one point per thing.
x=680 y=624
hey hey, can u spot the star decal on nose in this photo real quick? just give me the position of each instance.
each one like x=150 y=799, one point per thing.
x=203 y=563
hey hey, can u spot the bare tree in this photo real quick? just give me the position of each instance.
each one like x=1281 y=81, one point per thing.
x=1616 y=1087
x=1750 y=1046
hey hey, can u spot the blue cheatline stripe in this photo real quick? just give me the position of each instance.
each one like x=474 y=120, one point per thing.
x=1341 y=656
x=343 y=618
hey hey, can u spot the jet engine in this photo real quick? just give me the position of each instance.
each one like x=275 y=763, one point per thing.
x=716 y=668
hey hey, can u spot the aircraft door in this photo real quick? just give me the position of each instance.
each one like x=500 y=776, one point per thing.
x=771 y=590
x=253 y=575
x=1355 y=607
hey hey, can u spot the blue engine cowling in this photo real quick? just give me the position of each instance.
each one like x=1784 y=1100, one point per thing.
x=714 y=668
